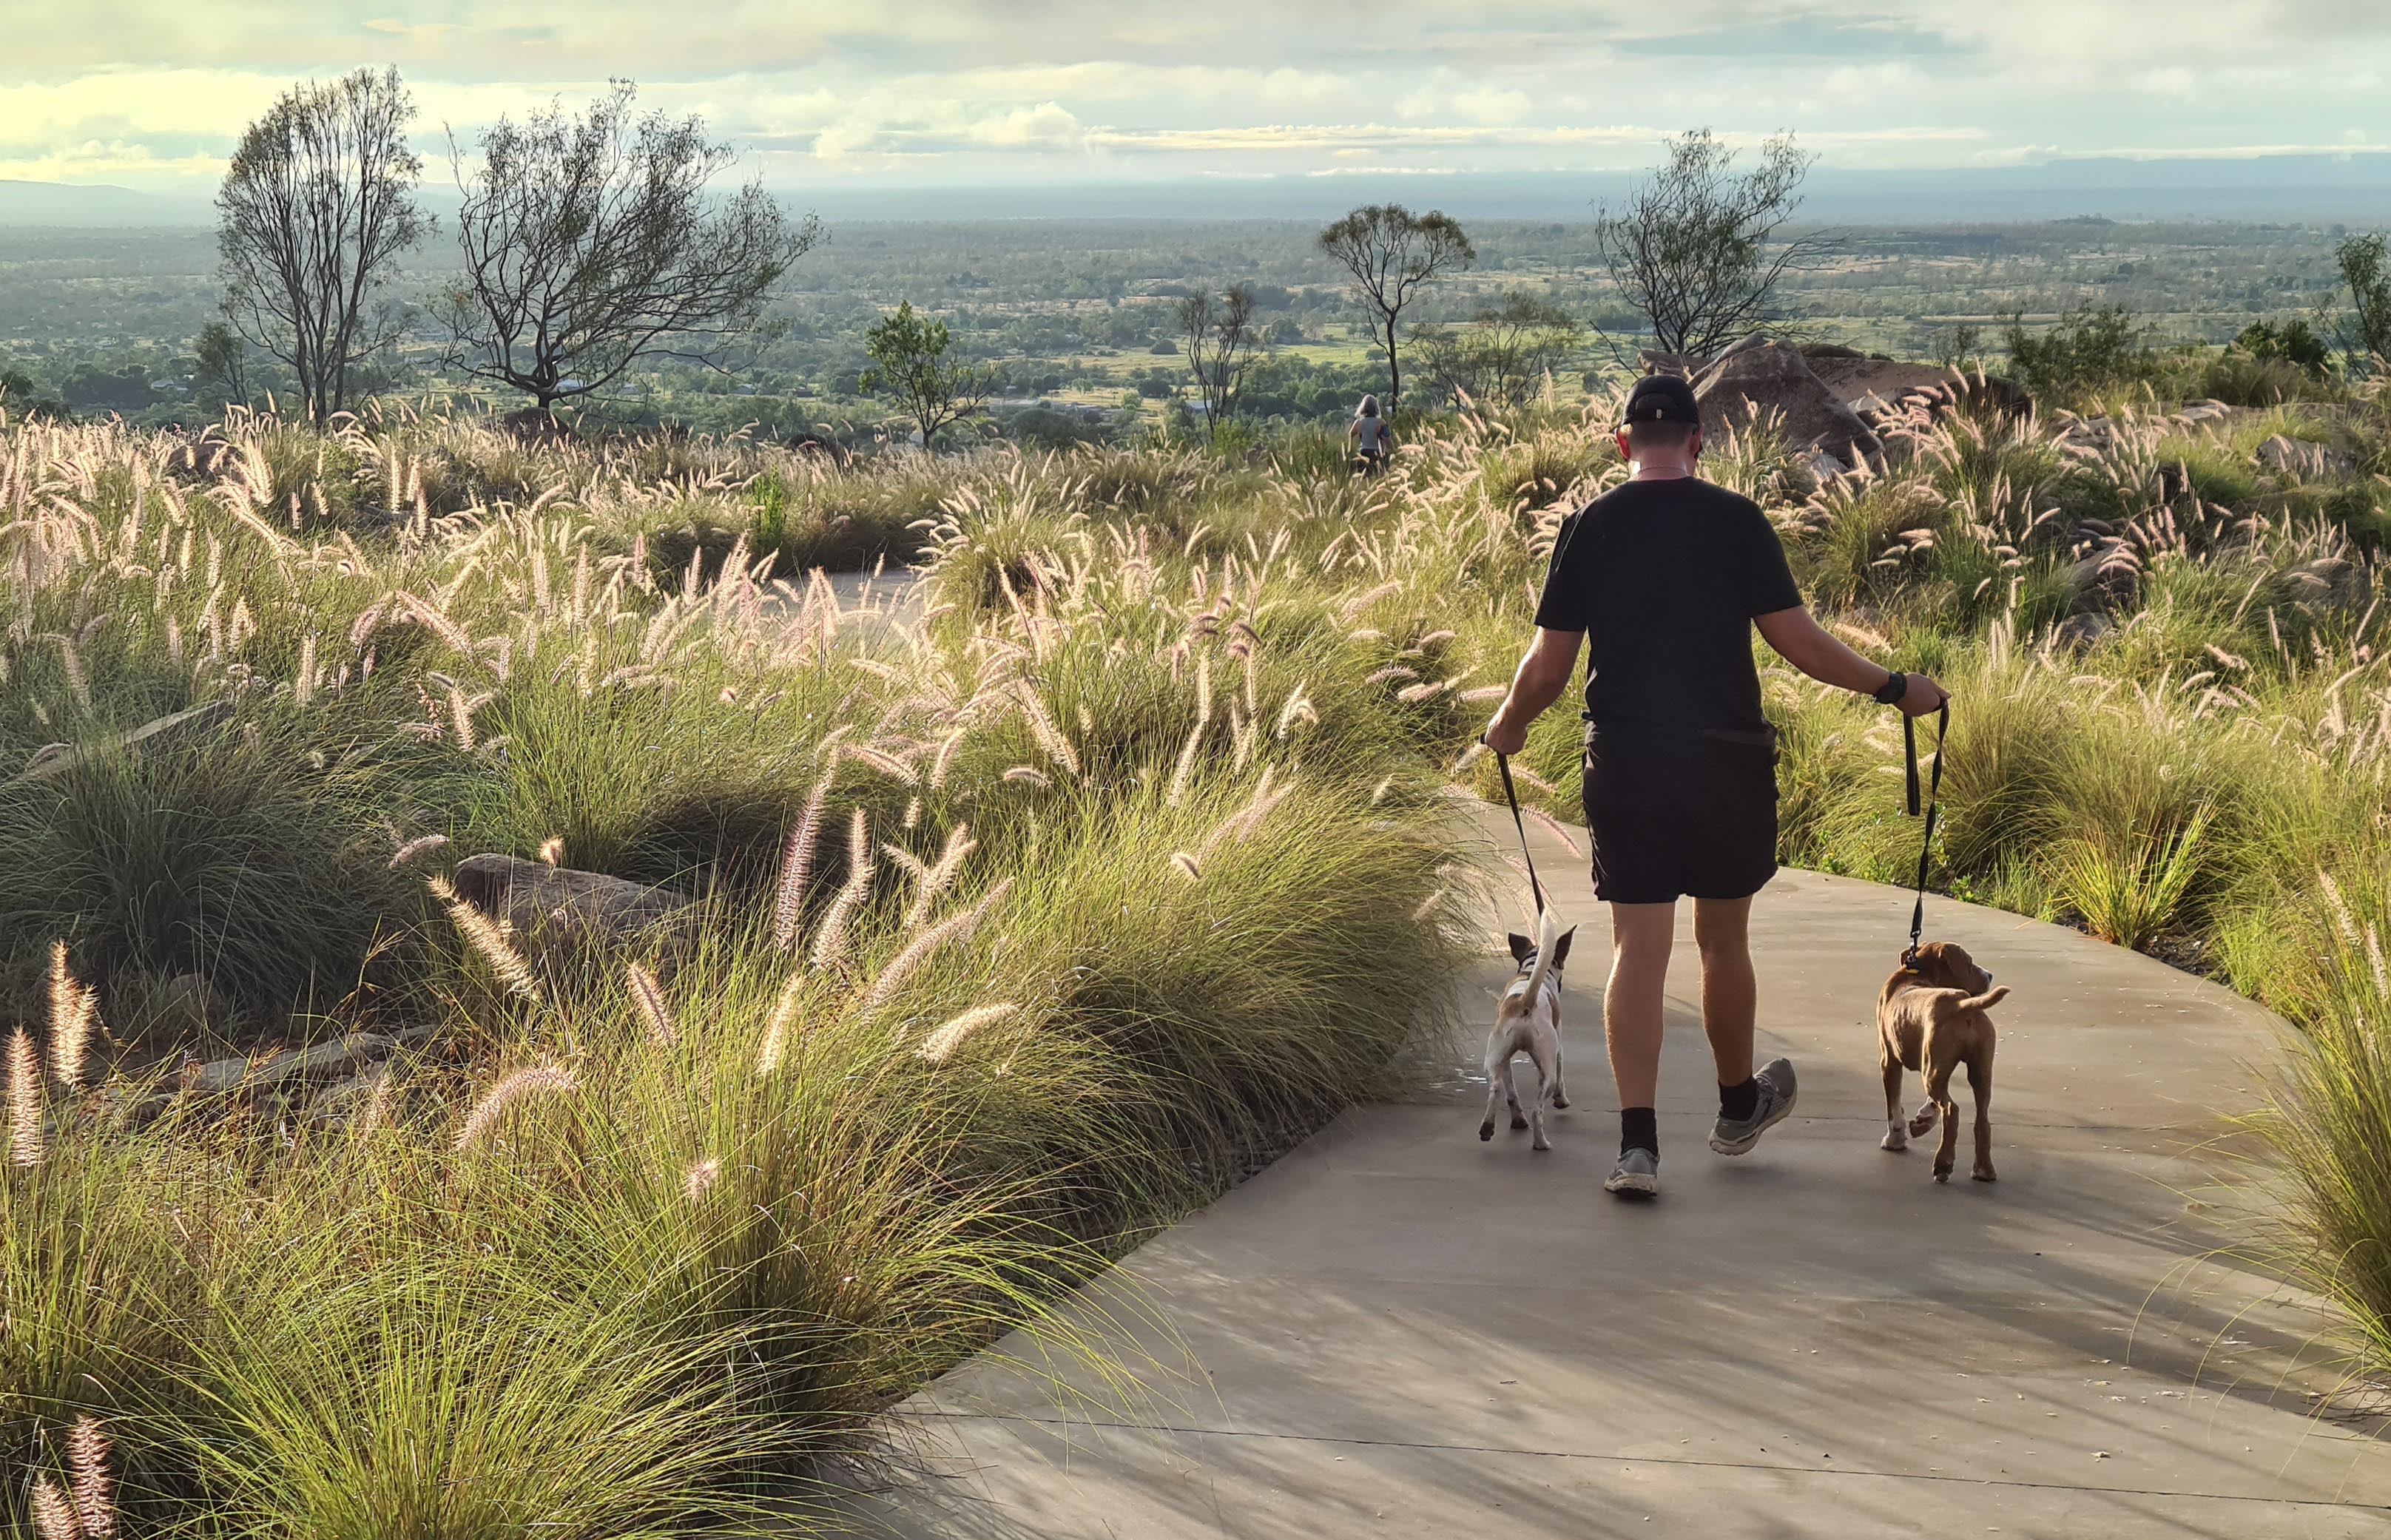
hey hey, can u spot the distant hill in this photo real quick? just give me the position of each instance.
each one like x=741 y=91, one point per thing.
x=2299 y=188
x=62 y=203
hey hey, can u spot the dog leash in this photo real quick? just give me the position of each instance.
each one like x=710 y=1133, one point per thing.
x=1511 y=795
x=1934 y=797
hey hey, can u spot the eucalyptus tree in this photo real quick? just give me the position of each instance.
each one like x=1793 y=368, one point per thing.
x=1390 y=253
x=591 y=241
x=314 y=209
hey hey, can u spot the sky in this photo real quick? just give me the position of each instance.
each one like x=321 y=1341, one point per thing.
x=927 y=94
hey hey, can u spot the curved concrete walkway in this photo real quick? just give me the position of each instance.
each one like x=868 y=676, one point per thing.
x=1397 y=1330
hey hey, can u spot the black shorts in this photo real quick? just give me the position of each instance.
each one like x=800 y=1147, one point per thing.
x=1680 y=812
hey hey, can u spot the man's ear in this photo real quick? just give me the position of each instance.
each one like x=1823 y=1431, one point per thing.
x=1560 y=948
x=1694 y=444
x=1521 y=947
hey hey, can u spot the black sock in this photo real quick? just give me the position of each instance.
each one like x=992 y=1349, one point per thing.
x=1739 y=1102
x=1639 y=1128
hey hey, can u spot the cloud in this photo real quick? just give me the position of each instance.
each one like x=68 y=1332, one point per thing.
x=1281 y=138
x=1109 y=88
x=1047 y=127
x=110 y=161
x=1493 y=106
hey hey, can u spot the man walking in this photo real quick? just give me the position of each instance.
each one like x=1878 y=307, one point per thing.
x=1663 y=578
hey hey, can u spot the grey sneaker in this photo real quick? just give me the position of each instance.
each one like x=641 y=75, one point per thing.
x=1636 y=1175
x=1735 y=1136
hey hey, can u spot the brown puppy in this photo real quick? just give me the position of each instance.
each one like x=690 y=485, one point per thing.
x=1929 y=1017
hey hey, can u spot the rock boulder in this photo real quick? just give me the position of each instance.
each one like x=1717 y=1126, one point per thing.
x=2329 y=582
x=551 y=907
x=2305 y=461
x=1887 y=393
x=1760 y=379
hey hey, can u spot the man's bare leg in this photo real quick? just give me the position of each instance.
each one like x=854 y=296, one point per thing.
x=1750 y=1102
x=1730 y=994
x=1640 y=934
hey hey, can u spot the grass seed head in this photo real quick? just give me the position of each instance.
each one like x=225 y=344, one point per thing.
x=420 y=845
x=54 y=1515
x=93 y=1489
x=954 y=927
x=648 y=995
x=483 y=934
x=830 y=943
x=796 y=864
x=74 y=1009
x=776 y=1029
x=935 y=880
x=942 y=1043
x=535 y=1081
x=24 y=1100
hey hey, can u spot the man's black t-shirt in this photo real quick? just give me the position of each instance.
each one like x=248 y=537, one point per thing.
x=1664 y=577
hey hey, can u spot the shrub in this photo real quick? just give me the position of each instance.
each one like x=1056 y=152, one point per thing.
x=2088 y=352
x=2294 y=343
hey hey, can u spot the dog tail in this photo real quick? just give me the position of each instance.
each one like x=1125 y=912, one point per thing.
x=1987 y=1001
x=1548 y=939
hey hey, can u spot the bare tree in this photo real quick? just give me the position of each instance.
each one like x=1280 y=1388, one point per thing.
x=591 y=241
x=315 y=209
x=1500 y=356
x=1390 y=253
x=910 y=362
x=1219 y=340
x=1694 y=248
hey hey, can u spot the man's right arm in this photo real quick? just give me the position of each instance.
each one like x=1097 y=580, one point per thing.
x=1798 y=637
x=1544 y=674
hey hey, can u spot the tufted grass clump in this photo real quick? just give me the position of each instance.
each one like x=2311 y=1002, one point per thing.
x=636 y=1227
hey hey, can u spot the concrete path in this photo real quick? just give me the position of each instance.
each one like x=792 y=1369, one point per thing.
x=871 y=604
x=1397 y=1330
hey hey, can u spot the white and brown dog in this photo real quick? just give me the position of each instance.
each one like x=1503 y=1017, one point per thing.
x=1529 y=1021
x=1929 y=1017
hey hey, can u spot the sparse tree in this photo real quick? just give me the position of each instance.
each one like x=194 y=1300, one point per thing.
x=1500 y=357
x=2366 y=267
x=910 y=363
x=591 y=241
x=1391 y=253
x=1694 y=248
x=220 y=364
x=314 y=209
x=1220 y=339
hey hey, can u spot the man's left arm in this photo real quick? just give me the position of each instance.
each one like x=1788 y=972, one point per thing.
x=1542 y=677
x=1795 y=635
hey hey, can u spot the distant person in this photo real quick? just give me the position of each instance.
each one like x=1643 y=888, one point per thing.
x=1370 y=436
x=1661 y=580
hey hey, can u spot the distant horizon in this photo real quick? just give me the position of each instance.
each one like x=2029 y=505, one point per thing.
x=2307 y=188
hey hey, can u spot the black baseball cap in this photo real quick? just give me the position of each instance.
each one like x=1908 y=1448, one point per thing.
x=1663 y=398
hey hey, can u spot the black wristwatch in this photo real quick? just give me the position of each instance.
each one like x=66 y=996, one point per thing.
x=1894 y=687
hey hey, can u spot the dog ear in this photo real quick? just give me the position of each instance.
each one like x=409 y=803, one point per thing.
x=1521 y=947
x=1560 y=948
x=1941 y=964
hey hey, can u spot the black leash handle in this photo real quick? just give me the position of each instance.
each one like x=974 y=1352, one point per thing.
x=1934 y=797
x=1511 y=795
